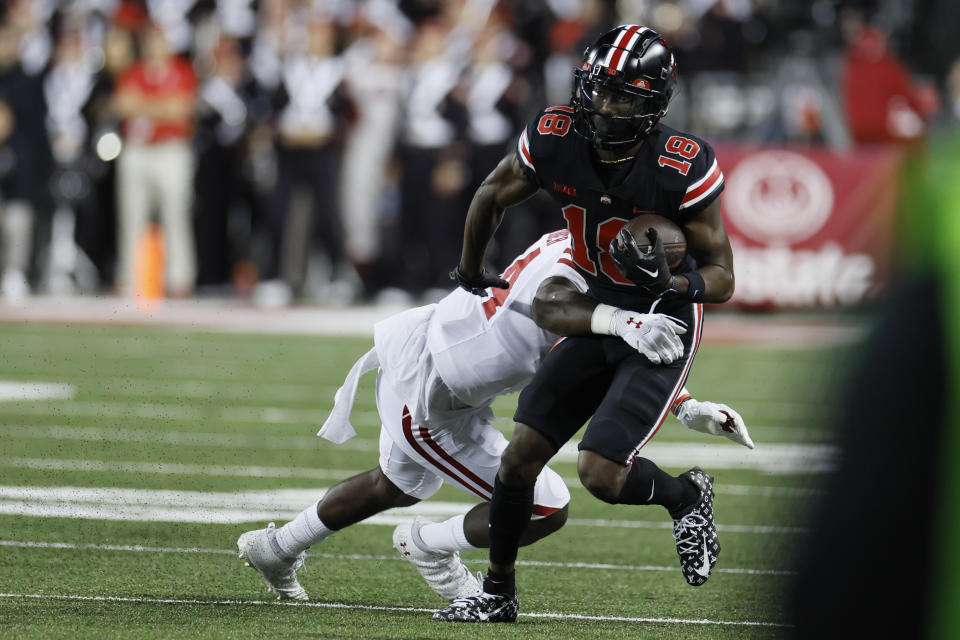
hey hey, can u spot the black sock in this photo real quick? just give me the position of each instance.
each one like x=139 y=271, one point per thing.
x=691 y=493
x=510 y=511
x=649 y=484
x=500 y=583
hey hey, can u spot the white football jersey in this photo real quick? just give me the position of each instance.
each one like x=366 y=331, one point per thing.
x=485 y=347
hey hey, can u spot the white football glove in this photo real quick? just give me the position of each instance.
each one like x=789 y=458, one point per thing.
x=652 y=334
x=715 y=419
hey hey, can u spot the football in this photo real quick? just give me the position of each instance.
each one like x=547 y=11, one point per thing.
x=674 y=242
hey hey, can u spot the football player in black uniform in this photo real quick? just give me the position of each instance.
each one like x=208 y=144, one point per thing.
x=606 y=159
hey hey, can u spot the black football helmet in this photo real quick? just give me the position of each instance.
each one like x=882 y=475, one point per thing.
x=634 y=69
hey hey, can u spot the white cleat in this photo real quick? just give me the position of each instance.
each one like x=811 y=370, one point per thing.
x=444 y=571
x=261 y=552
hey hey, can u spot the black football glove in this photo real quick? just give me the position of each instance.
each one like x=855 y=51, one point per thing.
x=478 y=286
x=647 y=269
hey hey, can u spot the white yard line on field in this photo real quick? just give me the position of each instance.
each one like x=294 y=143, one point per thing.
x=173 y=383
x=711 y=454
x=238 y=471
x=179 y=411
x=180 y=438
x=146 y=505
x=171 y=468
x=19 y=391
x=363 y=607
x=340 y=556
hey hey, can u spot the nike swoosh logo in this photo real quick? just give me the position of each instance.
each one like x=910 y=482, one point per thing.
x=486 y=616
x=652 y=274
x=705 y=569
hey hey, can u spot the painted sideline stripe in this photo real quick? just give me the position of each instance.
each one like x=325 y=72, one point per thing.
x=351 y=556
x=715 y=453
x=146 y=505
x=366 y=607
x=171 y=468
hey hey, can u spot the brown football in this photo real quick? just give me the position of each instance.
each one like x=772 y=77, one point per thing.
x=674 y=242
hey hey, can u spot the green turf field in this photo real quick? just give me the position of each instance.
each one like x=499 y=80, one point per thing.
x=123 y=492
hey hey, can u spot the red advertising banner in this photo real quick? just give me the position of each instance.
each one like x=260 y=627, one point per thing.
x=809 y=227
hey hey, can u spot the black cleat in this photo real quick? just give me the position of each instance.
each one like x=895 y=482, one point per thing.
x=483 y=607
x=695 y=532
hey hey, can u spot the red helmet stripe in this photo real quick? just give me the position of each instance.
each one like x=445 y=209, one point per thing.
x=620 y=44
x=630 y=45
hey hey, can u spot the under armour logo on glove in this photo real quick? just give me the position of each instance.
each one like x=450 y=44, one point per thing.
x=654 y=335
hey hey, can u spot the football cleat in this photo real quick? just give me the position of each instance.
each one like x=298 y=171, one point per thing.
x=482 y=607
x=444 y=571
x=260 y=550
x=695 y=532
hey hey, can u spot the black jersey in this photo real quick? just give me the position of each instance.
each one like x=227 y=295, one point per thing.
x=674 y=175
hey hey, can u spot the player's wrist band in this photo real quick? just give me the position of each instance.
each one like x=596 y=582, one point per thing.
x=679 y=401
x=697 y=286
x=602 y=319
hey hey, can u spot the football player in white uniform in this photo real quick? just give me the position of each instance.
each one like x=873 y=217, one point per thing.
x=440 y=368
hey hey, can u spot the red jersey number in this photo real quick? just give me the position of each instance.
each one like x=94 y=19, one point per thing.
x=683 y=147
x=606 y=231
x=556 y=124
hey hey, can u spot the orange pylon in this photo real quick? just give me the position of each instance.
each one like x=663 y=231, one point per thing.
x=148 y=284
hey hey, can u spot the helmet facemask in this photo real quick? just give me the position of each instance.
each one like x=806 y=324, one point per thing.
x=612 y=114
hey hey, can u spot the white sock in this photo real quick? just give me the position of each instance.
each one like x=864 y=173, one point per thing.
x=303 y=531
x=445 y=536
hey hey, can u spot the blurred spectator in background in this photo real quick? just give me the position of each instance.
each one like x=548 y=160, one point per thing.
x=433 y=167
x=97 y=217
x=25 y=166
x=155 y=98
x=374 y=81
x=270 y=43
x=30 y=21
x=717 y=42
x=312 y=111
x=173 y=18
x=494 y=96
x=226 y=112
x=883 y=104
x=494 y=93
x=949 y=115
x=574 y=28
x=68 y=87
